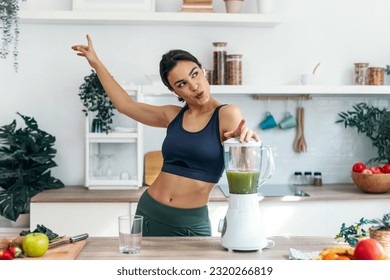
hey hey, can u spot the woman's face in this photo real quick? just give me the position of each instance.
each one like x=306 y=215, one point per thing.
x=188 y=82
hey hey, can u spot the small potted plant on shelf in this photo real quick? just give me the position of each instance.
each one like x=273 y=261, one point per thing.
x=95 y=99
x=9 y=26
x=375 y=123
x=379 y=229
x=26 y=157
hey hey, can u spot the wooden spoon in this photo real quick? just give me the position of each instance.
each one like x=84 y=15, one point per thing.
x=302 y=141
x=299 y=131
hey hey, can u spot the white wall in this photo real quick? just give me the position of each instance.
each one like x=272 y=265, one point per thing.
x=335 y=33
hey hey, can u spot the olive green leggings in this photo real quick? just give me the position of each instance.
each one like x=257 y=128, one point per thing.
x=163 y=220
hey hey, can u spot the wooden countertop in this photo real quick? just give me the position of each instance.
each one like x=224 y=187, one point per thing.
x=74 y=194
x=198 y=248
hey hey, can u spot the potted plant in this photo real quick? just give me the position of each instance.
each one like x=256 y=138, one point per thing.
x=26 y=157
x=95 y=99
x=379 y=230
x=375 y=123
x=9 y=26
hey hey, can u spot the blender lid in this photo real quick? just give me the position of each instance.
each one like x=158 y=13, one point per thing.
x=235 y=141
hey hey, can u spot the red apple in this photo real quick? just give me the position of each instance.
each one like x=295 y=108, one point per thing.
x=375 y=170
x=358 y=167
x=386 y=168
x=367 y=171
x=369 y=249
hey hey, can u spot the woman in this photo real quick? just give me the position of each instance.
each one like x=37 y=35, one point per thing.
x=176 y=203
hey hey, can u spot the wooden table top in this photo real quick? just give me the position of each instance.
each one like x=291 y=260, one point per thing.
x=198 y=248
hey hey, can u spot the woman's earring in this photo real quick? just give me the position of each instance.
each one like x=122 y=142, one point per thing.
x=204 y=71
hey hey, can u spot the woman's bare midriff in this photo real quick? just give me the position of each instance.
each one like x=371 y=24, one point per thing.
x=180 y=192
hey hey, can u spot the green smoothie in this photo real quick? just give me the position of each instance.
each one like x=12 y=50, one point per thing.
x=243 y=182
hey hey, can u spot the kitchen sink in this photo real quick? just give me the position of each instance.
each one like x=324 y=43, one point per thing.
x=271 y=190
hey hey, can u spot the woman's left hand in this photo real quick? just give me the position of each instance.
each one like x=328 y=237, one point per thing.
x=243 y=132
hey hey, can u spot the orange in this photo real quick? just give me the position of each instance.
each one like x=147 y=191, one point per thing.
x=330 y=256
x=343 y=258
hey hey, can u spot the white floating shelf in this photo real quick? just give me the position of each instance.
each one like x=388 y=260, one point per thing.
x=281 y=90
x=112 y=137
x=149 y=18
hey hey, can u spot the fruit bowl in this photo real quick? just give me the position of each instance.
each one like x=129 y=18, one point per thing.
x=372 y=183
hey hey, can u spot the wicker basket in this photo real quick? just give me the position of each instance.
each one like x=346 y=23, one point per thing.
x=372 y=183
x=383 y=237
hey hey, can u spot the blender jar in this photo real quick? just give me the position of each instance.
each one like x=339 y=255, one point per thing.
x=243 y=165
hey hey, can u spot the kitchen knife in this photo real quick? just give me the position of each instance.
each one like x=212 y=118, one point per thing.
x=72 y=239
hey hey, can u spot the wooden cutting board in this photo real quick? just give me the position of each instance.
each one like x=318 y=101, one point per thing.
x=153 y=162
x=64 y=252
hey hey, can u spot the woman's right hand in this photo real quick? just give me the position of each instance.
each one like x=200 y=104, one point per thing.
x=88 y=52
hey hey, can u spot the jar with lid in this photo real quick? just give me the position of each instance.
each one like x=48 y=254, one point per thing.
x=209 y=75
x=317 y=179
x=297 y=178
x=361 y=74
x=376 y=76
x=307 y=178
x=234 y=69
x=219 y=63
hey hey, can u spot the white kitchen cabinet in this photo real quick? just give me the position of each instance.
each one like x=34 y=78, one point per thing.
x=96 y=219
x=114 y=160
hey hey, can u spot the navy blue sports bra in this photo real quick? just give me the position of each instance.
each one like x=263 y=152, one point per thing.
x=196 y=155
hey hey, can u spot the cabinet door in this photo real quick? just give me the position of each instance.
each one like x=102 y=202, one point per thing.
x=96 y=219
x=114 y=160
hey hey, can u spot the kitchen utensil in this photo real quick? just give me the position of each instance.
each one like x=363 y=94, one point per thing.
x=72 y=239
x=300 y=145
x=299 y=131
x=242 y=228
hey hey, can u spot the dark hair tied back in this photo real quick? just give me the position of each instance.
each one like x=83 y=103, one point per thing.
x=169 y=61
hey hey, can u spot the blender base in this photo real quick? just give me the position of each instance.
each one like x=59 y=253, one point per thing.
x=242 y=229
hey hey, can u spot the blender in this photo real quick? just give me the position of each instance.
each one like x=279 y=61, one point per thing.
x=242 y=228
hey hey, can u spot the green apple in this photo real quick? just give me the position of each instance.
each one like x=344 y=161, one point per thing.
x=35 y=244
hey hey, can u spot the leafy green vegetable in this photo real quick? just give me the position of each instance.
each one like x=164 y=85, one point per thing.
x=42 y=229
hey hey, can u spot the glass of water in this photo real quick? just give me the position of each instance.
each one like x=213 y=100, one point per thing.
x=130 y=233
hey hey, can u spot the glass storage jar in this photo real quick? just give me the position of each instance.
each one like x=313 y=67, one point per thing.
x=234 y=69
x=297 y=178
x=307 y=180
x=317 y=179
x=219 y=63
x=377 y=75
x=361 y=74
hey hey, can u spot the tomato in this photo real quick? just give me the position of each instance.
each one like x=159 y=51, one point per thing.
x=366 y=171
x=358 y=167
x=386 y=168
x=5 y=255
x=375 y=170
x=369 y=249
